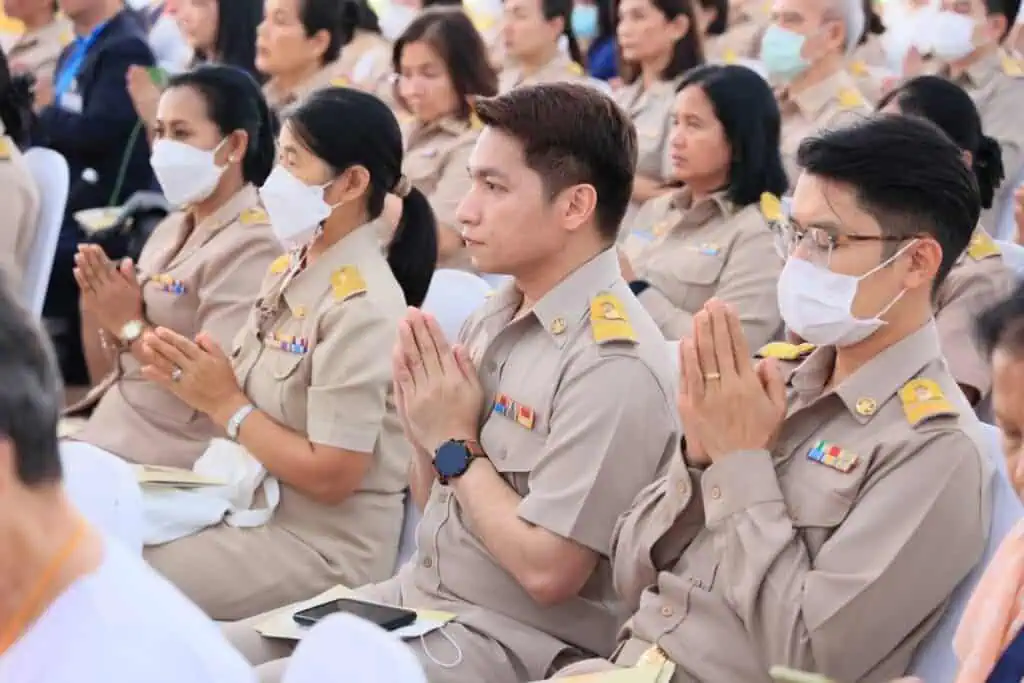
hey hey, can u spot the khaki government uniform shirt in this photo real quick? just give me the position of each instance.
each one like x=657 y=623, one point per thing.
x=36 y=52
x=279 y=99
x=651 y=113
x=560 y=68
x=832 y=103
x=436 y=161
x=314 y=356
x=19 y=201
x=996 y=84
x=195 y=278
x=837 y=551
x=979 y=279
x=690 y=253
x=365 y=63
x=557 y=430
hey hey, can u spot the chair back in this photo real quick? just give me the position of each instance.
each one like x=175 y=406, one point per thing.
x=105 y=490
x=454 y=295
x=50 y=172
x=1013 y=256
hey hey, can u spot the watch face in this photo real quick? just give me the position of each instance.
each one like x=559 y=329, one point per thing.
x=131 y=331
x=451 y=459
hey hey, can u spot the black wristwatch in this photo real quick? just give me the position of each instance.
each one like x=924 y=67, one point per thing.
x=453 y=458
x=638 y=287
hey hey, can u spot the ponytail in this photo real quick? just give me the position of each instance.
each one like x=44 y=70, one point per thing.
x=412 y=253
x=262 y=149
x=988 y=169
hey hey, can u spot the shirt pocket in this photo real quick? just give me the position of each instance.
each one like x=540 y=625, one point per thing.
x=689 y=278
x=819 y=499
x=513 y=448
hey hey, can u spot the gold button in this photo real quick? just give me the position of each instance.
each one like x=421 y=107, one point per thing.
x=716 y=493
x=866 y=406
x=557 y=326
x=682 y=488
x=666 y=611
x=427 y=562
x=300 y=312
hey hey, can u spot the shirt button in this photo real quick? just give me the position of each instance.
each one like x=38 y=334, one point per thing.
x=427 y=562
x=666 y=611
x=681 y=487
x=716 y=493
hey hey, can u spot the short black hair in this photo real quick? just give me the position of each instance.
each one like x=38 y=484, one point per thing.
x=907 y=174
x=16 y=95
x=332 y=16
x=30 y=393
x=746 y=107
x=571 y=134
x=1008 y=8
x=688 y=51
x=720 y=24
x=1001 y=326
x=949 y=107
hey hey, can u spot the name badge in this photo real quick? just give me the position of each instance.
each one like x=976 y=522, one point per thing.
x=72 y=102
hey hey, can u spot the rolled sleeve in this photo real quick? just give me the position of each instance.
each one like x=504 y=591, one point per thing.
x=738 y=482
x=351 y=378
x=600 y=451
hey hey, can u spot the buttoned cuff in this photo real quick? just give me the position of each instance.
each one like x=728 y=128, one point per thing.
x=739 y=481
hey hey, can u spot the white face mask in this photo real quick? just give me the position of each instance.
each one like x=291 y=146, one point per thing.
x=952 y=35
x=816 y=303
x=906 y=27
x=296 y=209
x=187 y=174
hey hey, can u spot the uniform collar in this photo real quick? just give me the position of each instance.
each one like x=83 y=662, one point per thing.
x=567 y=306
x=982 y=72
x=716 y=204
x=308 y=287
x=812 y=101
x=229 y=212
x=559 y=61
x=280 y=97
x=449 y=125
x=866 y=390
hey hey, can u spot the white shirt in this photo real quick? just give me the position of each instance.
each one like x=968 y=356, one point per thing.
x=123 y=624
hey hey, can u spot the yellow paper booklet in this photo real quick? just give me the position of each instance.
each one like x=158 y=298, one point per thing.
x=155 y=476
x=97 y=220
x=639 y=674
x=281 y=623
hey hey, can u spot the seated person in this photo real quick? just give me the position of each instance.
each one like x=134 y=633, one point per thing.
x=200 y=270
x=709 y=238
x=441 y=62
x=19 y=196
x=87 y=116
x=540 y=457
x=45 y=35
x=989 y=644
x=979 y=277
x=531 y=31
x=365 y=60
x=305 y=388
x=76 y=605
x=823 y=511
x=296 y=46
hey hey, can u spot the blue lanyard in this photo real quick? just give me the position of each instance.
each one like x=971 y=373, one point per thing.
x=73 y=64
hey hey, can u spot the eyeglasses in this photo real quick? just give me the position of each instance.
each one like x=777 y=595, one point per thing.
x=819 y=242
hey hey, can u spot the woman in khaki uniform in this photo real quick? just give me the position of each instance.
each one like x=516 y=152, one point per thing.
x=297 y=45
x=709 y=239
x=200 y=271
x=659 y=40
x=365 y=60
x=19 y=196
x=441 y=64
x=530 y=33
x=306 y=386
x=45 y=35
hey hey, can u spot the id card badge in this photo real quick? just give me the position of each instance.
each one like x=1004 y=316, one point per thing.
x=71 y=101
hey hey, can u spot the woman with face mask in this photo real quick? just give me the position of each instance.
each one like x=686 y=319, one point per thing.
x=200 y=270
x=659 y=41
x=709 y=239
x=441 y=64
x=305 y=388
x=979 y=277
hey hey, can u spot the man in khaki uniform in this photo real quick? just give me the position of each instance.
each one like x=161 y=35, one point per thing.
x=825 y=524
x=693 y=251
x=815 y=90
x=514 y=535
x=19 y=198
x=46 y=34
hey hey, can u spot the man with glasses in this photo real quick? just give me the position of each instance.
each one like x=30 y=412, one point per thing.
x=828 y=503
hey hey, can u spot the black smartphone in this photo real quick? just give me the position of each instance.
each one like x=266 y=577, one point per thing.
x=388 y=618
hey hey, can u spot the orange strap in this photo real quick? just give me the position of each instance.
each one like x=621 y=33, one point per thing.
x=12 y=631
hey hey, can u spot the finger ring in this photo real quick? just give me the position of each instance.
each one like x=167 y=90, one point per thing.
x=712 y=376
x=176 y=374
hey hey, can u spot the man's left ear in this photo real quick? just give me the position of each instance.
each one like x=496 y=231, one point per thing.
x=580 y=205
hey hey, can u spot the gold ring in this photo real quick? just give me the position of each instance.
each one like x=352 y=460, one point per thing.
x=712 y=376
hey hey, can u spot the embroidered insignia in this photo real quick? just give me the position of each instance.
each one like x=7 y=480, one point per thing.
x=517 y=412
x=280 y=264
x=859 y=68
x=771 y=207
x=608 y=321
x=833 y=456
x=923 y=399
x=1012 y=67
x=730 y=56
x=340 y=82
x=5 y=148
x=347 y=282
x=982 y=246
x=254 y=216
x=850 y=99
x=575 y=69
x=785 y=351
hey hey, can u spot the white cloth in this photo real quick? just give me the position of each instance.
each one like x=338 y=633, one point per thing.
x=123 y=624
x=170 y=514
x=346 y=648
x=105 y=490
